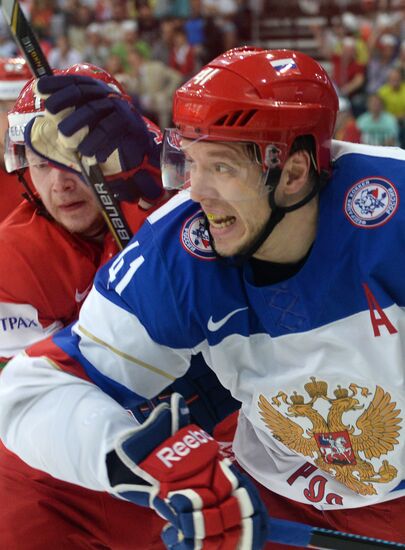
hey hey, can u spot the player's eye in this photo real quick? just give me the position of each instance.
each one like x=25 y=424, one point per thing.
x=223 y=168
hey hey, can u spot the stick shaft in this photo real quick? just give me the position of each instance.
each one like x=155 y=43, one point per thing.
x=307 y=536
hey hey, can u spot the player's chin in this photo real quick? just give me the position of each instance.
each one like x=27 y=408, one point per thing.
x=79 y=224
x=227 y=249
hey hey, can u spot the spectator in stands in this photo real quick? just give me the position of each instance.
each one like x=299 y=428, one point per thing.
x=382 y=59
x=220 y=7
x=82 y=17
x=214 y=43
x=129 y=39
x=96 y=50
x=148 y=24
x=378 y=127
x=348 y=74
x=182 y=57
x=163 y=45
x=172 y=8
x=7 y=44
x=352 y=27
x=204 y=34
x=223 y=11
x=346 y=128
x=330 y=40
x=195 y=30
x=154 y=85
x=63 y=55
x=114 y=66
x=112 y=25
x=42 y=12
x=102 y=10
x=384 y=23
x=400 y=62
x=243 y=20
x=393 y=94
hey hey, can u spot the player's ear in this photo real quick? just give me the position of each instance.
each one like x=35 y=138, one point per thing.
x=295 y=172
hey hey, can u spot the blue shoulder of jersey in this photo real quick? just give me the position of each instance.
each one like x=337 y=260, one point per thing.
x=170 y=278
x=360 y=237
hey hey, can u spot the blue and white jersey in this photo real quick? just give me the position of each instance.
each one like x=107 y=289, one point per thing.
x=317 y=360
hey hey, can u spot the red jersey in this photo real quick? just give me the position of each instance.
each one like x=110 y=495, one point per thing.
x=45 y=274
x=345 y=70
x=11 y=193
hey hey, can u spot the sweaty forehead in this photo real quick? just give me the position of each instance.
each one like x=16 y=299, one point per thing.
x=217 y=149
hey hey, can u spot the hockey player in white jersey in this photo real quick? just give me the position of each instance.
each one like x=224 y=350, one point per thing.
x=281 y=262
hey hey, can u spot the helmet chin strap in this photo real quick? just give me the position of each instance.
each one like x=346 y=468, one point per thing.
x=30 y=197
x=277 y=214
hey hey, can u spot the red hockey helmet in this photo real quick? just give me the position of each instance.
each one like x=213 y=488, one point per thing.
x=14 y=73
x=266 y=97
x=29 y=105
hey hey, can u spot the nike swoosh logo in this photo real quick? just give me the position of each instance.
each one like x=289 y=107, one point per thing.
x=80 y=296
x=213 y=326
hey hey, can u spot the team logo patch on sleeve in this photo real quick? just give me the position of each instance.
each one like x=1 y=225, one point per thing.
x=195 y=237
x=371 y=202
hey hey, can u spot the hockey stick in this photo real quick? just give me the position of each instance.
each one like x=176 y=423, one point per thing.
x=92 y=174
x=306 y=536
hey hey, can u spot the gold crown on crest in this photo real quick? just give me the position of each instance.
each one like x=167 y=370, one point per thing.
x=297 y=399
x=341 y=393
x=316 y=388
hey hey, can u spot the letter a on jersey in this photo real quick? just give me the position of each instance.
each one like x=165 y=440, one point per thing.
x=375 y=308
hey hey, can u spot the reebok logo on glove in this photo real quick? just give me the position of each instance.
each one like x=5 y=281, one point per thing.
x=192 y=440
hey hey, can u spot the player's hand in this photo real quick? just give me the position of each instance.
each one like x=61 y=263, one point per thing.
x=175 y=467
x=86 y=116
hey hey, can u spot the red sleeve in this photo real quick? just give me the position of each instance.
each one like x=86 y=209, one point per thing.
x=11 y=192
x=47 y=348
x=45 y=266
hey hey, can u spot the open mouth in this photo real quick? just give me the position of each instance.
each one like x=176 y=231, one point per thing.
x=71 y=206
x=220 y=222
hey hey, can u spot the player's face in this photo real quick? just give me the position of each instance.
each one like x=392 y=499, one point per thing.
x=229 y=186
x=65 y=197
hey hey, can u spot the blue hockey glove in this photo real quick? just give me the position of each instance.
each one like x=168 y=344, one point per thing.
x=86 y=116
x=175 y=467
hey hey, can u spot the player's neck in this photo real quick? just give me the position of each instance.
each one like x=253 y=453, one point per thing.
x=292 y=237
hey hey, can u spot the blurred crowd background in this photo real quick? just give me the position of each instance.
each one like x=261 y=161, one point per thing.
x=153 y=46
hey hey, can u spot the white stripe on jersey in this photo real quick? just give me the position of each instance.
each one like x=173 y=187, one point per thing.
x=170 y=205
x=109 y=337
x=340 y=148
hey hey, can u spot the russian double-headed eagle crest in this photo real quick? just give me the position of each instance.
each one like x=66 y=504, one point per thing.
x=340 y=449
